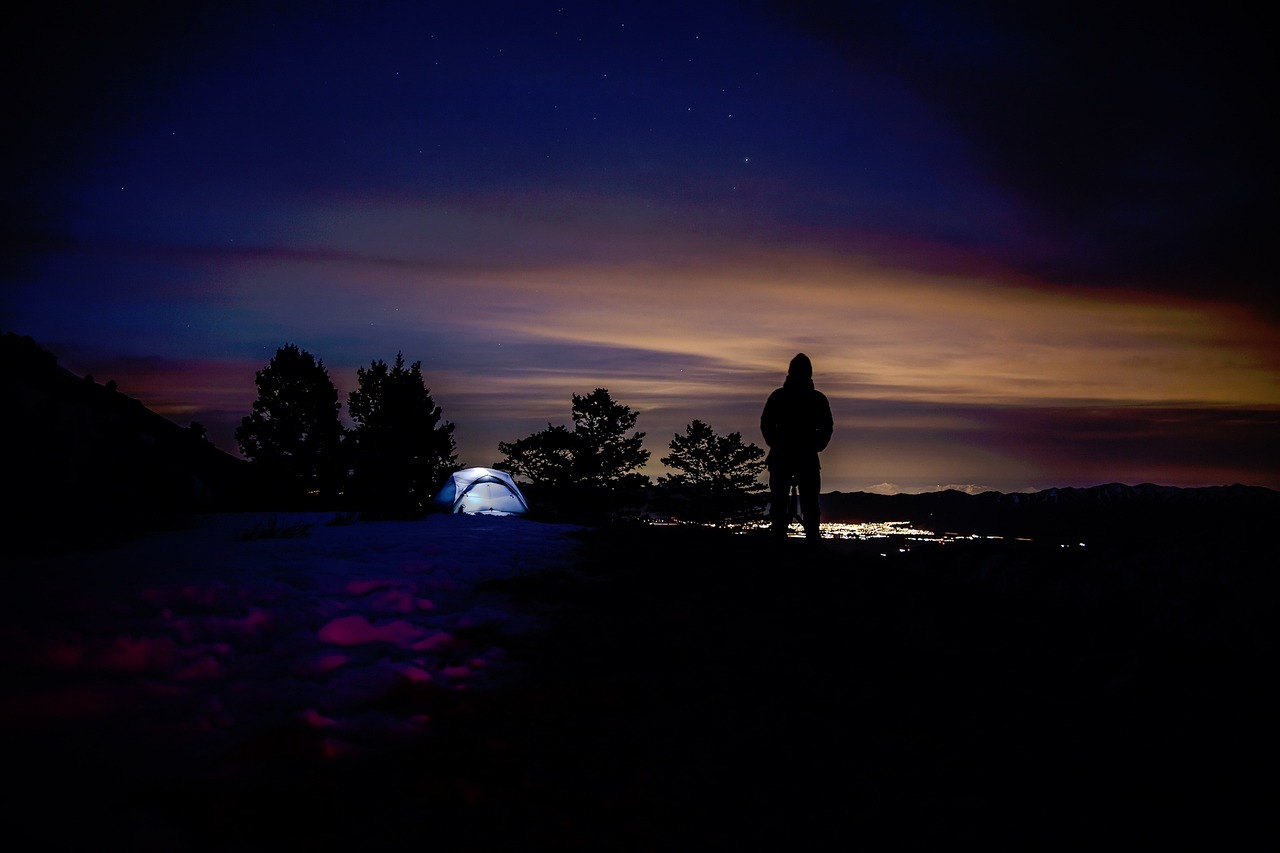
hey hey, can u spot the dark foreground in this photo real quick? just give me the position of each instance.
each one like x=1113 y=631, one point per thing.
x=703 y=691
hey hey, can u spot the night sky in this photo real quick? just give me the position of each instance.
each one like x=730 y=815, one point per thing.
x=1022 y=243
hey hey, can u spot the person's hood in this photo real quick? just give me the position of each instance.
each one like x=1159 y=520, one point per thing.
x=797 y=383
x=800 y=367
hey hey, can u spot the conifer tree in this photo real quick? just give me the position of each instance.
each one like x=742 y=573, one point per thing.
x=293 y=434
x=401 y=447
x=589 y=470
x=544 y=459
x=605 y=453
x=716 y=479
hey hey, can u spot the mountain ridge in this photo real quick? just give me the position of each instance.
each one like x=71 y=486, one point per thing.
x=87 y=459
x=1110 y=509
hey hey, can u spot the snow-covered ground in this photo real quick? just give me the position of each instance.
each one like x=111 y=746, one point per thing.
x=360 y=687
x=181 y=646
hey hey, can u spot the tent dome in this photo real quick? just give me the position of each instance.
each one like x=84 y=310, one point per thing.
x=481 y=491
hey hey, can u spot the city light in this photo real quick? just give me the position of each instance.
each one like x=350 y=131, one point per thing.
x=864 y=531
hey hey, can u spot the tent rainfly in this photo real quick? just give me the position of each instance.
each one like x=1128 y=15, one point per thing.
x=482 y=491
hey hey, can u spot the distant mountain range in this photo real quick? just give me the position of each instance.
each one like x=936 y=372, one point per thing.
x=1113 y=510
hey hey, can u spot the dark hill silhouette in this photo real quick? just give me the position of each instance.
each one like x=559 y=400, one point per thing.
x=86 y=461
x=1113 y=511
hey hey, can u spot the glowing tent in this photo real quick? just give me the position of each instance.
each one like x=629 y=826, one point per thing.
x=482 y=491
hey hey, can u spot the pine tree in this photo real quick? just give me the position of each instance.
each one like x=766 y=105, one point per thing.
x=401 y=447
x=605 y=454
x=587 y=471
x=717 y=477
x=293 y=434
x=544 y=459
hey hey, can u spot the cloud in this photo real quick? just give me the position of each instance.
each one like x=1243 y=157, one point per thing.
x=967 y=217
x=918 y=364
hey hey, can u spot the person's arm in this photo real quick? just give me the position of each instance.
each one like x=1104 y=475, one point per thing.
x=826 y=424
x=769 y=421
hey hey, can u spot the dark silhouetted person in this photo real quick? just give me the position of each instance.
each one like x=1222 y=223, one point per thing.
x=796 y=424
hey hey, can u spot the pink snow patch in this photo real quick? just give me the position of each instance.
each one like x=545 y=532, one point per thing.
x=328 y=663
x=457 y=672
x=203 y=595
x=246 y=626
x=312 y=717
x=426 y=604
x=257 y=618
x=395 y=601
x=366 y=587
x=392 y=599
x=205 y=668
x=414 y=673
x=184 y=627
x=130 y=654
x=331 y=748
x=354 y=630
x=322 y=664
x=438 y=640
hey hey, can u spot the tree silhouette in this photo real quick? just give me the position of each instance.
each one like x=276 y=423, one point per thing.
x=717 y=477
x=545 y=458
x=198 y=433
x=401 y=447
x=590 y=470
x=293 y=434
x=605 y=454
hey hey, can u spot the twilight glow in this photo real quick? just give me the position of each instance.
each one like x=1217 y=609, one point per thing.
x=537 y=201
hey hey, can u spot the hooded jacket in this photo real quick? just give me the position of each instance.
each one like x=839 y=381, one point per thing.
x=796 y=422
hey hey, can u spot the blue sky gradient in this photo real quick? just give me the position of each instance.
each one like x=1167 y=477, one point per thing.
x=1024 y=247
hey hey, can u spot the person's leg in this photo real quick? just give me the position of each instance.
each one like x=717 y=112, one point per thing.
x=779 y=501
x=810 y=483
